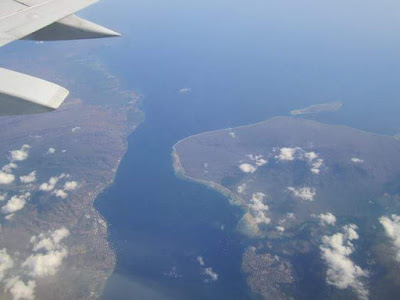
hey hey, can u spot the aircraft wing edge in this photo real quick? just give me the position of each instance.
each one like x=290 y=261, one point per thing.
x=24 y=94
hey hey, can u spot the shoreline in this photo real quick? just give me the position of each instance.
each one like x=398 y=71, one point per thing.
x=107 y=185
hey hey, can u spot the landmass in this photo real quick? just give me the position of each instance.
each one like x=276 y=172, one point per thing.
x=318 y=108
x=320 y=204
x=53 y=241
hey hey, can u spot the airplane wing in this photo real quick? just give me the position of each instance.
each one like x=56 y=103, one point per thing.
x=39 y=20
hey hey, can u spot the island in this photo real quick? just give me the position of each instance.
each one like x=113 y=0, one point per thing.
x=319 y=204
x=53 y=166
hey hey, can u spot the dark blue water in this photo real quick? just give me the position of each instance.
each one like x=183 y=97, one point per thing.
x=244 y=61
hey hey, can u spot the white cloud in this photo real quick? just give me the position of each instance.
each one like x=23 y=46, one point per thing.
x=247 y=168
x=356 y=160
x=3 y=196
x=9 y=217
x=75 y=129
x=316 y=165
x=8 y=168
x=232 y=134
x=256 y=202
x=258 y=159
x=70 y=185
x=241 y=189
x=286 y=154
x=327 y=219
x=208 y=271
x=200 y=259
x=185 y=90
x=20 y=155
x=342 y=272
x=312 y=158
x=51 y=151
x=6 y=178
x=311 y=155
x=259 y=209
x=31 y=177
x=261 y=218
x=52 y=253
x=42 y=265
x=49 y=241
x=213 y=276
x=16 y=203
x=260 y=162
x=60 y=194
x=392 y=229
x=304 y=193
x=19 y=290
x=280 y=228
x=50 y=185
x=6 y=263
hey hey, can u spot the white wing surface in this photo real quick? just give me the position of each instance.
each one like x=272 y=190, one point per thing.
x=39 y=20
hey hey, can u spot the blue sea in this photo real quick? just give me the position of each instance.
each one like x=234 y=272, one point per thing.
x=243 y=63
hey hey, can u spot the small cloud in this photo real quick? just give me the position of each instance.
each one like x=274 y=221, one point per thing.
x=280 y=228
x=259 y=209
x=51 y=151
x=241 y=189
x=342 y=272
x=6 y=178
x=50 y=185
x=311 y=155
x=327 y=219
x=256 y=202
x=286 y=154
x=357 y=160
x=200 y=259
x=9 y=217
x=6 y=263
x=247 y=168
x=20 y=155
x=391 y=225
x=304 y=193
x=8 y=168
x=3 y=196
x=31 y=177
x=50 y=253
x=60 y=194
x=185 y=90
x=312 y=158
x=75 y=129
x=258 y=159
x=209 y=271
x=63 y=151
x=70 y=185
x=19 y=290
x=16 y=203
x=232 y=134
x=316 y=165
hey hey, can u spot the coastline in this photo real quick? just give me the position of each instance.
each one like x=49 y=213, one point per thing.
x=107 y=185
x=246 y=225
x=88 y=135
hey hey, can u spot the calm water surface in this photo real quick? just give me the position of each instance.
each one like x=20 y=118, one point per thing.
x=244 y=62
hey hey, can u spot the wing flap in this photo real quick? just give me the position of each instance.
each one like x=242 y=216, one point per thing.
x=24 y=94
x=71 y=28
